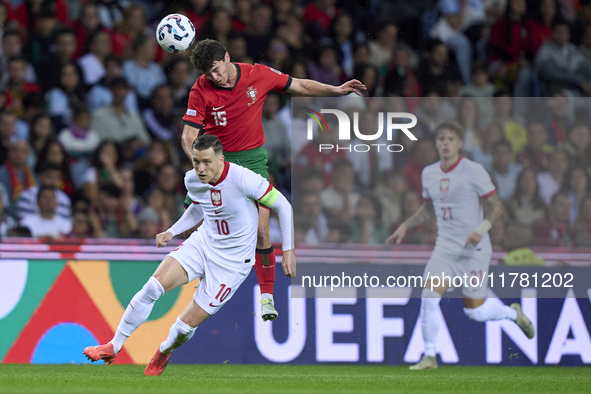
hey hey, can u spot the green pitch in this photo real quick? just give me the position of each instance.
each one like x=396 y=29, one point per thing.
x=263 y=379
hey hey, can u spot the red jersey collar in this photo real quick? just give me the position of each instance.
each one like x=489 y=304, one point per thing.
x=224 y=174
x=454 y=165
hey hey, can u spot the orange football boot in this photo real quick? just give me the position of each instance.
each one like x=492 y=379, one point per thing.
x=101 y=352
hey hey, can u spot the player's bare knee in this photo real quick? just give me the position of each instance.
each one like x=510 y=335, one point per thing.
x=170 y=274
x=193 y=315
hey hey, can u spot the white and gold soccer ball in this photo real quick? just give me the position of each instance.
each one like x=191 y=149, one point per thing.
x=175 y=33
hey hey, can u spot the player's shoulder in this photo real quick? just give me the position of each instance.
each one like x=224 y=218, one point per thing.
x=246 y=67
x=191 y=178
x=471 y=165
x=258 y=68
x=237 y=171
x=431 y=169
x=245 y=175
x=200 y=86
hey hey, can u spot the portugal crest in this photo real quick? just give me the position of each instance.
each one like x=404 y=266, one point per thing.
x=444 y=185
x=216 y=198
x=252 y=94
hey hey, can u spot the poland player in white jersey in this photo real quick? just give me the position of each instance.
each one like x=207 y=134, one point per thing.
x=221 y=253
x=461 y=195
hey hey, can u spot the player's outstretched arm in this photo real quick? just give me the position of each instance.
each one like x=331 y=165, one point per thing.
x=311 y=88
x=493 y=210
x=277 y=202
x=424 y=213
x=190 y=134
x=192 y=216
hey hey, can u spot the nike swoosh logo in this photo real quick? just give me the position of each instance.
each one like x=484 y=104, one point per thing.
x=217 y=212
x=214 y=306
x=215 y=109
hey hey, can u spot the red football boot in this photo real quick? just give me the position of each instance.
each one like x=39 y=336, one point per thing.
x=157 y=364
x=101 y=352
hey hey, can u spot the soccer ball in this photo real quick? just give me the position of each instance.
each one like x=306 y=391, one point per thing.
x=175 y=33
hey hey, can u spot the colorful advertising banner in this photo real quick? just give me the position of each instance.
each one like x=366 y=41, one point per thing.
x=52 y=309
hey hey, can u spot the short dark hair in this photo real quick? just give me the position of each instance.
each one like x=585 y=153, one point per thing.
x=341 y=163
x=48 y=167
x=533 y=121
x=44 y=188
x=205 y=53
x=501 y=142
x=17 y=58
x=79 y=109
x=119 y=81
x=207 y=141
x=560 y=193
x=479 y=67
x=63 y=31
x=114 y=59
x=451 y=125
x=13 y=33
x=431 y=44
x=111 y=190
x=312 y=172
x=46 y=12
x=560 y=22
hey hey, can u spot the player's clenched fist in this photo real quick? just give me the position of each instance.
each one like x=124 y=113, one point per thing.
x=398 y=235
x=162 y=239
x=288 y=262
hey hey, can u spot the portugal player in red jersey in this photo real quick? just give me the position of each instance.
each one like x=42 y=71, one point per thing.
x=227 y=101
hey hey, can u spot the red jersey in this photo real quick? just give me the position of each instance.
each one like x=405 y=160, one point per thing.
x=234 y=114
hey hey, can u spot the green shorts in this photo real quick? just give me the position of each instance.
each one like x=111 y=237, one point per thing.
x=253 y=159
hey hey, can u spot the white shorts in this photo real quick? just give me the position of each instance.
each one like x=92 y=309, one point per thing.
x=218 y=282
x=443 y=264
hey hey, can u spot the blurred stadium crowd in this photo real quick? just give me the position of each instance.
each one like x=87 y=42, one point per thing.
x=90 y=110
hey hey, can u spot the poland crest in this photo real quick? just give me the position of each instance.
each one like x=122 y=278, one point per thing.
x=216 y=198
x=444 y=184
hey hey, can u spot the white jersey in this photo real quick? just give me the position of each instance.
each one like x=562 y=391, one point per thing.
x=456 y=195
x=230 y=212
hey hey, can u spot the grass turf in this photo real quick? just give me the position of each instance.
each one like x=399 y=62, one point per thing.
x=258 y=379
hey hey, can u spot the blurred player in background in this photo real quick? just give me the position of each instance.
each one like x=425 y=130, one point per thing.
x=227 y=101
x=221 y=253
x=457 y=191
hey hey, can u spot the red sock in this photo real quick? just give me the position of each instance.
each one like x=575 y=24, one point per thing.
x=264 y=266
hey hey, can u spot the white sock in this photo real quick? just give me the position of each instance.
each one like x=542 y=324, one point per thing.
x=267 y=296
x=179 y=333
x=137 y=312
x=491 y=310
x=430 y=319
